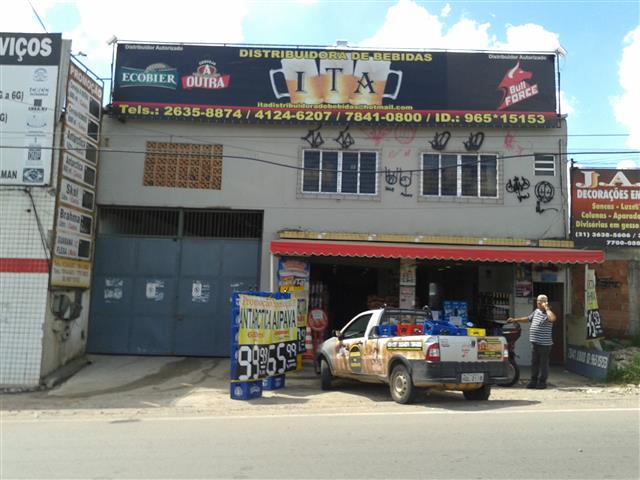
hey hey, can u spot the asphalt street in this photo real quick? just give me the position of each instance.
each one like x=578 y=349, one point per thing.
x=514 y=443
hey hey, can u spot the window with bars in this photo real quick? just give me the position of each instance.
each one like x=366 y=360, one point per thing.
x=544 y=165
x=330 y=171
x=464 y=175
x=171 y=222
x=183 y=165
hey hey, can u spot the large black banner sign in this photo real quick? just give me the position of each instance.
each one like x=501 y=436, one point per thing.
x=280 y=85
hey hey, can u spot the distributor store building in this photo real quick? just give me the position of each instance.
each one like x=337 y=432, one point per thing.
x=352 y=178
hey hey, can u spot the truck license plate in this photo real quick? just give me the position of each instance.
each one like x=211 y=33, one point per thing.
x=472 y=378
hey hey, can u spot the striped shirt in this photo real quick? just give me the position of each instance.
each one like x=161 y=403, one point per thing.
x=541 y=328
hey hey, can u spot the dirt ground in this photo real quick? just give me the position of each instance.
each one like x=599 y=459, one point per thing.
x=126 y=387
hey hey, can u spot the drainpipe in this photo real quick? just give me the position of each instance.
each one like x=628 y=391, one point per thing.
x=271 y=272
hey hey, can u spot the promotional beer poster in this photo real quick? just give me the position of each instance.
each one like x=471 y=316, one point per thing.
x=334 y=86
x=594 y=322
x=293 y=278
x=265 y=336
x=605 y=208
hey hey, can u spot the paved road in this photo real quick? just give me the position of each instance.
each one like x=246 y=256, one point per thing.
x=513 y=443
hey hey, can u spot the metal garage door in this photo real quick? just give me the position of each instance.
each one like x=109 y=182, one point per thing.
x=170 y=296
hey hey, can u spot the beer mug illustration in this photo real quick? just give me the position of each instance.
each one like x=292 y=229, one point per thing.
x=371 y=77
x=338 y=81
x=304 y=85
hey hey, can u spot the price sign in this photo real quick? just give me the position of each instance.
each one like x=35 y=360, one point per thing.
x=265 y=336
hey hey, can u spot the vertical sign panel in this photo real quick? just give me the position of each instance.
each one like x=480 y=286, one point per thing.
x=28 y=92
x=75 y=215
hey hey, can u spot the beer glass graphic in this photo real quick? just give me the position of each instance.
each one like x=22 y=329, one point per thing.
x=338 y=81
x=371 y=77
x=304 y=85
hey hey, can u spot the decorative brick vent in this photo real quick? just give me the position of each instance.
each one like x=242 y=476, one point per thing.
x=183 y=165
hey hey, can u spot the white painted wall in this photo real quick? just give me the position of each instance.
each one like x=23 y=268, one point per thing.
x=250 y=184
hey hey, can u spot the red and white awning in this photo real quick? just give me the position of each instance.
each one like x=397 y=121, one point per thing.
x=307 y=248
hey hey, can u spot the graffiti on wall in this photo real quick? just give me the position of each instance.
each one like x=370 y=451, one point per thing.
x=397 y=176
x=518 y=185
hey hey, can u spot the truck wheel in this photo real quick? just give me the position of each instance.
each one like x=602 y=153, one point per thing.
x=481 y=393
x=325 y=375
x=401 y=385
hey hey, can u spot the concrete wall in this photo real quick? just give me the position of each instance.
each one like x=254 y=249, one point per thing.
x=23 y=291
x=248 y=183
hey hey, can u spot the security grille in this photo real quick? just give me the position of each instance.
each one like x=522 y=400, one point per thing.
x=138 y=221
x=180 y=223
x=222 y=224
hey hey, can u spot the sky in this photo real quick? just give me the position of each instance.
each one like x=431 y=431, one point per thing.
x=600 y=41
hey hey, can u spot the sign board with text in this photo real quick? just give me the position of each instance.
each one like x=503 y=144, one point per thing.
x=588 y=362
x=264 y=336
x=336 y=86
x=605 y=208
x=28 y=90
x=75 y=213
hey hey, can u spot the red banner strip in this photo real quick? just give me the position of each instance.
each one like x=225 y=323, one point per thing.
x=24 y=265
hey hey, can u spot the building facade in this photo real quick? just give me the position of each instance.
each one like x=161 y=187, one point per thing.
x=50 y=109
x=399 y=178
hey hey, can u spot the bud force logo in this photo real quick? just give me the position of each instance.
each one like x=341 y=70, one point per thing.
x=515 y=87
x=206 y=77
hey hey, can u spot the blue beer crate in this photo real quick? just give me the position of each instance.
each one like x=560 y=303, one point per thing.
x=432 y=327
x=273 y=383
x=246 y=390
x=388 y=330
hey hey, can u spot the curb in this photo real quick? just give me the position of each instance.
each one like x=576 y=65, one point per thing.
x=65 y=372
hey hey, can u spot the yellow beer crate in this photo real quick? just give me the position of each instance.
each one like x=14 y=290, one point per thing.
x=476 y=332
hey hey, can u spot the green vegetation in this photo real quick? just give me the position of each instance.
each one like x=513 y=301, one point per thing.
x=629 y=374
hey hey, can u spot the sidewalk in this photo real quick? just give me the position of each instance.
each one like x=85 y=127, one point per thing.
x=117 y=383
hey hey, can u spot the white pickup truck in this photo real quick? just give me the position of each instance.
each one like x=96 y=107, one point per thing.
x=369 y=349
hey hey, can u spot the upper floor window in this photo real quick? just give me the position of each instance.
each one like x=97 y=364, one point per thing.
x=544 y=165
x=453 y=175
x=330 y=171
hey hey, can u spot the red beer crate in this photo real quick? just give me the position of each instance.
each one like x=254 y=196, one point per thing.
x=408 y=329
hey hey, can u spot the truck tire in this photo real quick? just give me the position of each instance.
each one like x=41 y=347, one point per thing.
x=482 y=393
x=325 y=375
x=401 y=385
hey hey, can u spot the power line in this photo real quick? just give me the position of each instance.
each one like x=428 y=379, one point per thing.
x=295 y=167
x=37 y=16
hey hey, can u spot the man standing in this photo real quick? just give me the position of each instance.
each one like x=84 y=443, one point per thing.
x=540 y=336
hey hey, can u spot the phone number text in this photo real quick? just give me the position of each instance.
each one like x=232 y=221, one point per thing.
x=284 y=115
